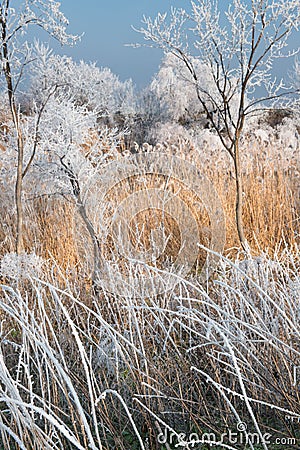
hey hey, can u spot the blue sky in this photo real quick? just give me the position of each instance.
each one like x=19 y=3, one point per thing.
x=106 y=25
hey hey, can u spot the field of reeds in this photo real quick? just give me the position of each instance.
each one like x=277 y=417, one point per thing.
x=180 y=364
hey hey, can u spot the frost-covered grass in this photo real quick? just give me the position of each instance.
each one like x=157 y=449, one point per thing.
x=85 y=370
x=271 y=177
x=83 y=367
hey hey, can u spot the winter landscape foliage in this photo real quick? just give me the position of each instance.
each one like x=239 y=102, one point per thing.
x=106 y=343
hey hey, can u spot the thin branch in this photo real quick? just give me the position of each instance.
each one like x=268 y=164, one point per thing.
x=36 y=131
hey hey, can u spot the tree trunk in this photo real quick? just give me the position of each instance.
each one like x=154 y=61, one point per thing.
x=20 y=163
x=18 y=194
x=94 y=239
x=239 y=198
x=15 y=116
x=82 y=211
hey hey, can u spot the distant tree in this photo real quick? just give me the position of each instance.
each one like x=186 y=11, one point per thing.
x=175 y=90
x=95 y=88
x=238 y=48
x=15 y=55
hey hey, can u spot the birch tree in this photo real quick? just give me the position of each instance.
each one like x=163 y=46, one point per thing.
x=15 y=55
x=239 y=48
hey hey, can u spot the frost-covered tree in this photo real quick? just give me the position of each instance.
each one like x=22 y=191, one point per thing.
x=174 y=88
x=238 y=48
x=72 y=150
x=15 y=55
x=98 y=89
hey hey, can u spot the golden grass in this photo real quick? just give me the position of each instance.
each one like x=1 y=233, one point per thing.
x=271 y=215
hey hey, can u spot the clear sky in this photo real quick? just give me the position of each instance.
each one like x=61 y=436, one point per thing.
x=106 y=25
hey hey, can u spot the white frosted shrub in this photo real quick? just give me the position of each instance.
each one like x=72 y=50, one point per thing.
x=85 y=84
x=25 y=265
